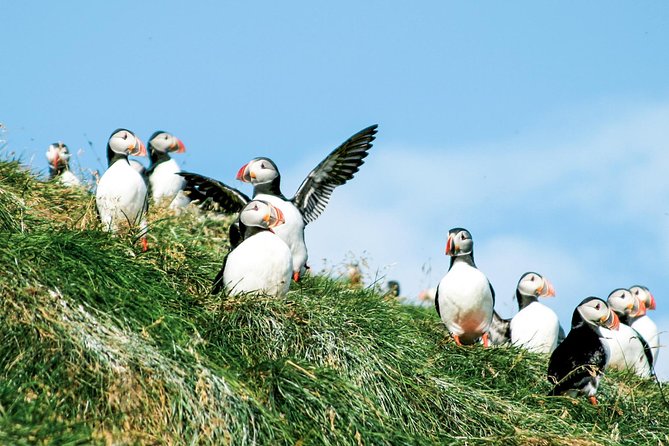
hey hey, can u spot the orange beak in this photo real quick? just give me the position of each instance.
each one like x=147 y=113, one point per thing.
x=274 y=217
x=651 y=306
x=139 y=149
x=181 y=148
x=56 y=160
x=612 y=322
x=450 y=246
x=241 y=175
x=546 y=289
x=641 y=310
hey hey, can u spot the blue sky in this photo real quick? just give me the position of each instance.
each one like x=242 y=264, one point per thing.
x=542 y=128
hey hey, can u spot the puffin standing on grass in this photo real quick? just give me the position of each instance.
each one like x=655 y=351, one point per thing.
x=58 y=156
x=577 y=364
x=629 y=350
x=309 y=201
x=121 y=195
x=464 y=299
x=262 y=261
x=535 y=327
x=642 y=323
x=164 y=183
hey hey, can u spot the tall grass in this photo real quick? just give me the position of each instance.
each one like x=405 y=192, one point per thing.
x=101 y=343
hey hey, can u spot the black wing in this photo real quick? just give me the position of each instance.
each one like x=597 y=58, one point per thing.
x=336 y=169
x=217 y=285
x=200 y=187
x=500 y=329
x=436 y=301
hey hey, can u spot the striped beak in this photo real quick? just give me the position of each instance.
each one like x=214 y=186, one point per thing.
x=450 y=246
x=180 y=147
x=274 y=217
x=611 y=322
x=546 y=289
x=139 y=149
x=243 y=174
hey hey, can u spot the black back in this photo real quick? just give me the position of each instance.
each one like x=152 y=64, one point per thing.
x=578 y=359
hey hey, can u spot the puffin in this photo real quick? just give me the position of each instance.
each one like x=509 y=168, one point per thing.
x=304 y=207
x=58 y=156
x=465 y=298
x=642 y=323
x=535 y=327
x=262 y=261
x=121 y=197
x=164 y=183
x=577 y=364
x=629 y=350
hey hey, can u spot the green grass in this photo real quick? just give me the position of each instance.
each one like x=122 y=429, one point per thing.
x=101 y=343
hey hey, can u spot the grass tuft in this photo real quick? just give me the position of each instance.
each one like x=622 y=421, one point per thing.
x=101 y=343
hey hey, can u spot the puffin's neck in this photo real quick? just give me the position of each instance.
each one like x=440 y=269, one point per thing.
x=524 y=300
x=248 y=231
x=112 y=157
x=467 y=258
x=54 y=172
x=158 y=157
x=625 y=319
x=271 y=188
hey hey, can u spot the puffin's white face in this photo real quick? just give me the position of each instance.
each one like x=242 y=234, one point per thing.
x=258 y=171
x=644 y=295
x=166 y=142
x=459 y=242
x=623 y=302
x=124 y=142
x=58 y=155
x=597 y=312
x=261 y=214
x=533 y=284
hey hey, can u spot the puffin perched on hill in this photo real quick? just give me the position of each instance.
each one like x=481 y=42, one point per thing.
x=58 y=156
x=629 y=350
x=577 y=364
x=121 y=195
x=164 y=183
x=261 y=262
x=464 y=299
x=535 y=327
x=641 y=322
x=309 y=201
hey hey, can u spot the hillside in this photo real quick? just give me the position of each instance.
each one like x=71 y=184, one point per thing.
x=103 y=344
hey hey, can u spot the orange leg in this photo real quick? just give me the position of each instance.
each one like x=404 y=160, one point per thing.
x=296 y=276
x=145 y=244
x=486 y=343
x=593 y=400
x=457 y=340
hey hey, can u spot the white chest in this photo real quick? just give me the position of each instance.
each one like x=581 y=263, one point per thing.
x=535 y=328
x=292 y=231
x=626 y=351
x=465 y=301
x=648 y=330
x=120 y=196
x=261 y=263
x=165 y=183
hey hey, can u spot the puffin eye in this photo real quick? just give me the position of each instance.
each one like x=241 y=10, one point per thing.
x=462 y=236
x=532 y=278
x=598 y=306
x=262 y=166
x=125 y=136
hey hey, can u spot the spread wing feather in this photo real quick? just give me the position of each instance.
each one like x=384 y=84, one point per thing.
x=199 y=187
x=336 y=169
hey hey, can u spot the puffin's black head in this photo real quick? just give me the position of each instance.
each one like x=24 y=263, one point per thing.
x=261 y=214
x=459 y=243
x=624 y=303
x=58 y=156
x=258 y=171
x=594 y=312
x=644 y=295
x=536 y=285
x=165 y=142
x=122 y=143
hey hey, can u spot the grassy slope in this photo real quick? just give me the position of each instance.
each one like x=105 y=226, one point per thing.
x=102 y=343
